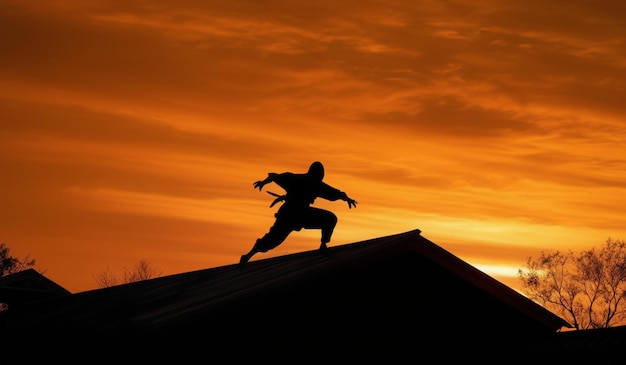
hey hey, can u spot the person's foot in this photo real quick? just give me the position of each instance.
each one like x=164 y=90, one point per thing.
x=243 y=260
x=323 y=247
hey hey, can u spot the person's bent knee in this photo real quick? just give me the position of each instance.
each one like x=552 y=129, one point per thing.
x=331 y=219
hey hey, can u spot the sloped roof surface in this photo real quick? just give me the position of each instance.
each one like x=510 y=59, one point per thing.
x=183 y=297
x=28 y=286
x=589 y=346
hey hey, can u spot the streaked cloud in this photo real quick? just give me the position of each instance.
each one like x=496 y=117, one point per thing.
x=495 y=127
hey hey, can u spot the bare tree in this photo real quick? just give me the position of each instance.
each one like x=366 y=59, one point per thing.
x=10 y=264
x=587 y=289
x=143 y=270
x=106 y=278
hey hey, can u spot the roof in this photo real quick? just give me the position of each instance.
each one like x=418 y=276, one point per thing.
x=28 y=286
x=175 y=297
x=589 y=346
x=346 y=284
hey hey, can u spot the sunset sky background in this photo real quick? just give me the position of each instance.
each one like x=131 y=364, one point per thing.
x=134 y=130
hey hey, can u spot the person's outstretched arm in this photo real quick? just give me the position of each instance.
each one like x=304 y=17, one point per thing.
x=331 y=193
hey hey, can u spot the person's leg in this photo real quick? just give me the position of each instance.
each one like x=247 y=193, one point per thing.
x=274 y=237
x=321 y=219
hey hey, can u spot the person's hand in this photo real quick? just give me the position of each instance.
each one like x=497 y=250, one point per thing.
x=259 y=184
x=351 y=202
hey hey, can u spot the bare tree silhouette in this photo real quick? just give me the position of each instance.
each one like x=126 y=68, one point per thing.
x=10 y=264
x=587 y=289
x=143 y=270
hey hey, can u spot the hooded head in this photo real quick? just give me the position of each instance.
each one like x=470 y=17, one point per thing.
x=316 y=171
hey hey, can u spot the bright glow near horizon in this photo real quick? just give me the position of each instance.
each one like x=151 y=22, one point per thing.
x=132 y=132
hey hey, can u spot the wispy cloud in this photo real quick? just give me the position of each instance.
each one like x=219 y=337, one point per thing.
x=495 y=127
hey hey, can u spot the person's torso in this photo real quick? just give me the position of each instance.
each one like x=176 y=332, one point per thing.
x=300 y=189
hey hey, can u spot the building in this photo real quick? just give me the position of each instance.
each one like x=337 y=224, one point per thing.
x=391 y=298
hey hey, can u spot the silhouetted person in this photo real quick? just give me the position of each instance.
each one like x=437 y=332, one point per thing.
x=296 y=213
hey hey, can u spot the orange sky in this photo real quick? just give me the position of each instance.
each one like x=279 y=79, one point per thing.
x=134 y=130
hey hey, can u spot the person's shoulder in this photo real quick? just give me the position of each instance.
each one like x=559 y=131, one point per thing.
x=327 y=186
x=284 y=176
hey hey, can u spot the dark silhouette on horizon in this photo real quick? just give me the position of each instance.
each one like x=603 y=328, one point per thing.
x=296 y=213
